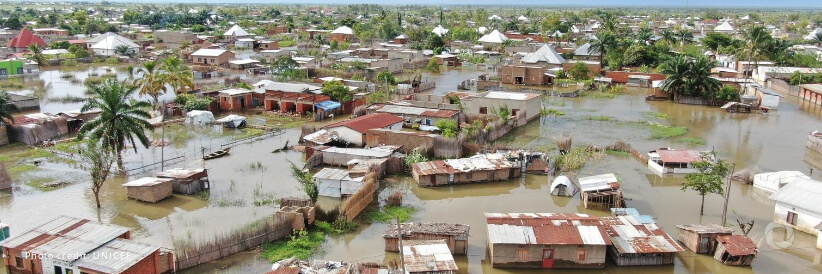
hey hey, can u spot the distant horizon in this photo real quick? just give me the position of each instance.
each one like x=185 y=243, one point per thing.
x=690 y=4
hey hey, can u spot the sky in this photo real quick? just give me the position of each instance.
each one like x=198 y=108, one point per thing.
x=583 y=3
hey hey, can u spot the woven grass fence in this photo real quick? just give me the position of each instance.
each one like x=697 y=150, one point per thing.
x=355 y=204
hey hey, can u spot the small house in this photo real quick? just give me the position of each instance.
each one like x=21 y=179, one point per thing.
x=428 y=257
x=353 y=130
x=234 y=99
x=24 y=39
x=235 y=32
x=269 y=45
x=767 y=98
x=638 y=240
x=493 y=39
x=213 y=57
x=17 y=68
x=701 y=239
x=545 y=57
x=244 y=43
x=797 y=205
x=673 y=161
x=149 y=189
x=186 y=181
x=406 y=140
x=478 y=168
x=73 y=245
x=337 y=156
x=643 y=81
x=199 y=117
x=336 y=183
x=454 y=235
x=516 y=102
x=546 y=240
x=414 y=115
x=773 y=181
x=342 y=34
x=601 y=191
x=111 y=44
x=243 y=64
x=448 y=59
x=735 y=250
x=524 y=75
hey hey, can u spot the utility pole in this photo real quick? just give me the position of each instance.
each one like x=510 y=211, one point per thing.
x=399 y=238
x=163 y=148
x=727 y=196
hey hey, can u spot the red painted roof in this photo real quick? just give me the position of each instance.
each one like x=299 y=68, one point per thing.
x=679 y=156
x=737 y=245
x=363 y=123
x=25 y=38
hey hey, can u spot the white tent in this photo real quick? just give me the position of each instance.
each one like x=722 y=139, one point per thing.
x=108 y=45
x=236 y=31
x=724 y=27
x=233 y=121
x=343 y=30
x=495 y=37
x=544 y=54
x=440 y=31
x=199 y=117
x=562 y=186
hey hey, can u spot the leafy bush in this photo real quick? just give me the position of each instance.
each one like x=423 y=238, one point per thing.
x=448 y=127
x=112 y=60
x=197 y=104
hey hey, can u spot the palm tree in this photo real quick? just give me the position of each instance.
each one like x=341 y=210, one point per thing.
x=689 y=77
x=676 y=70
x=7 y=108
x=37 y=55
x=176 y=75
x=700 y=80
x=605 y=40
x=120 y=120
x=668 y=36
x=685 y=37
x=756 y=39
x=644 y=35
x=150 y=82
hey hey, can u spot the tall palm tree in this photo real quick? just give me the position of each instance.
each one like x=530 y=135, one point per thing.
x=668 y=37
x=676 y=70
x=685 y=37
x=120 y=120
x=177 y=75
x=37 y=55
x=150 y=82
x=756 y=40
x=700 y=81
x=689 y=77
x=605 y=40
x=7 y=108
x=644 y=36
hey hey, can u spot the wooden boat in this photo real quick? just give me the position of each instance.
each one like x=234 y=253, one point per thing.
x=217 y=154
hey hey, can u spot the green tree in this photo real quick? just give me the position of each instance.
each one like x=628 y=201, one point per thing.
x=580 y=71
x=306 y=181
x=708 y=178
x=434 y=41
x=667 y=36
x=99 y=160
x=448 y=127
x=78 y=51
x=604 y=42
x=6 y=109
x=385 y=77
x=150 y=82
x=120 y=121
x=433 y=66
x=176 y=75
x=123 y=50
x=59 y=45
x=37 y=55
x=817 y=39
x=337 y=91
x=714 y=40
x=689 y=78
x=756 y=40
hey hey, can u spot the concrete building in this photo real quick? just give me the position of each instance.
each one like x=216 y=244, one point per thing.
x=342 y=34
x=175 y=39
x=797 y=205
x=110 y=43
x=524 y=75
x=353 y=131
x=24 y=39
x=415 y=115
x=149 y=189
x=701 y=239
x=486 y=102
x=214 y=57
x=478 y=168
x=546 y=240
x=454 y=235
x=234 y=99
x=72 y=245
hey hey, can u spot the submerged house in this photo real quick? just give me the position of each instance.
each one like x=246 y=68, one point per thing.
x=36 y=128
x=149 y=189
x=517 y=102
x=478 y=168
x=773 y=181
x=797 y=205
x=353 y=130
x=414 y=115
x=638 y=240
x=701 y=239
x=73 y=245
x=546 y=240
x=186 y=181
x=735 y=250
x=233 y=99
x=336 y=183
x=673 y=161
x=601 y=191
x=428 y=257
x=454 y=235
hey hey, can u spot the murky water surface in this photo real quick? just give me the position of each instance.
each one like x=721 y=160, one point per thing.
x=765 y=142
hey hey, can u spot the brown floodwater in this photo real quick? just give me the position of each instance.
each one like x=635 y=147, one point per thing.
x=765 y=142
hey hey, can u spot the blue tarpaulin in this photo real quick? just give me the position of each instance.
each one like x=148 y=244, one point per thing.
x=328 y=105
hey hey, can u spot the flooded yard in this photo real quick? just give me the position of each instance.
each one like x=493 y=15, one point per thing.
x=251 y=173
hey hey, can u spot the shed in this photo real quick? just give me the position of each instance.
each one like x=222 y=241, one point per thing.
x=336 y=183
x=478 y=168
x=187 y=181
x=562 y=186
x=643 y=81
x=428 y=257
x=701 y=239
x=767 y=97
x=773 y=181
x=454 y=235
x=675 y=161
x=636 y=241
x=735 y=250
x=199 y=117
x=601 y=191
x=149 y=189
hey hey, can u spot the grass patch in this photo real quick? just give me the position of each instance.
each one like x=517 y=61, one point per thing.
x=15 y=171
x=551 y=111
x=601 y=118
x=70 y=147
x=389 y=214
x=202 y=195
x=618 y=153
x=339 y=226
x=249 y=132
x=283 y=121
x=301 y=246
x=656 y=115
x=575 y=159
x=230 y=203
x=692 y=141
x=599 y=95
x=664 y=132
x=558 y=103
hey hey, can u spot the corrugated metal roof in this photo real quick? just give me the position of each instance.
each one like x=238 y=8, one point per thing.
x=116 y=256
x=331 y=174
x=599 y=182
x=679 y=156
x=738 y=245
x=636 y=237
x=374 y=152
x=428 y=256
x=511 y=234
x=428 y=228
x=510 y=95
x=462 y=165
x=180 y=173
x=363 y=123
x=706 y=228
x=146 y=181
x=412 y=110
x=545 y=228
x=801 y=193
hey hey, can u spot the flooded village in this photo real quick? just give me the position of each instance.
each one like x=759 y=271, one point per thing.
x=257 y=138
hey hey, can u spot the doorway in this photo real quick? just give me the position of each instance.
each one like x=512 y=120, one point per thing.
x=547 y=258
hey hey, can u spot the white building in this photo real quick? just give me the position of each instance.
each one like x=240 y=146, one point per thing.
x=109 y=45
x=244 y=43
x=797 y=205
x=336 y=183
x=353 y=131
x=773 y=181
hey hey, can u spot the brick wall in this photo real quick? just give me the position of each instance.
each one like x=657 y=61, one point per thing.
x=621 y=77
x=406 y=140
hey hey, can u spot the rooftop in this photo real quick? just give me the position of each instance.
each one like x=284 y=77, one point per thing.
x=374 y=152
x=706 y=228
x=116 y=256
x=428 y=256
x=363 y=123
x=234 y=91
x=801 y=193
x=209 y=52
x=146 y=181
x=412 y=110
x=510 y=95
x=64 y=237
x=738 y=245
x=428 y=228
x=599 y=182
x=679 y=156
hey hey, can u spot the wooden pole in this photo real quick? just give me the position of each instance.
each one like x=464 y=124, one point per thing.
x=399 y=238
x=727 y=196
